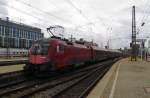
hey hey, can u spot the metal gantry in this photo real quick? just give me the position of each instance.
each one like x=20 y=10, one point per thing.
x=133 y=43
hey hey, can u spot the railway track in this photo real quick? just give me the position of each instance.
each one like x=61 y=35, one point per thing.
x=14 y=78
x=77 y=87
x=10 y=74
x=10 y=78
x=81 y=88
x=53 y=86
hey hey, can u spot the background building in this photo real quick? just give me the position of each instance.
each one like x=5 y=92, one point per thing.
x=17 y=37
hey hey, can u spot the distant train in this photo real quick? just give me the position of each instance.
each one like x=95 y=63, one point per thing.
x=13 y=52
x=52 y=54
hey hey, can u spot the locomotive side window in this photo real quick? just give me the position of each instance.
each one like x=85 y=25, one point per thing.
x=40 y=48
x=57 y=48
x=60 y=48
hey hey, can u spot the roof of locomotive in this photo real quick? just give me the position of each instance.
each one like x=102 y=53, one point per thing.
x=66 y=42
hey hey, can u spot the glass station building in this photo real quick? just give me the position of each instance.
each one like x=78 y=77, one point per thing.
x=15 y=35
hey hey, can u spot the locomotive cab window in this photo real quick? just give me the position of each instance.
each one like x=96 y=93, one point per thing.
x=59 y=48
x=45 y=47
x=40 y=47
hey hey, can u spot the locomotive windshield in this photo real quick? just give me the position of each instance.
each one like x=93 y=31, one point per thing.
x=40 y=47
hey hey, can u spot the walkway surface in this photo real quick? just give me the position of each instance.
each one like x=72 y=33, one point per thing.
x=13 y=59
x=11 y=68
x=125 y=79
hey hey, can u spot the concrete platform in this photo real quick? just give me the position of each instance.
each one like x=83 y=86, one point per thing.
x=11 y=68
x=13 y=59
x=5 y=69
x=125 y=79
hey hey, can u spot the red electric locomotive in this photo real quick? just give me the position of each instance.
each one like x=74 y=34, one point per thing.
x=51 y=54
x=55 y=54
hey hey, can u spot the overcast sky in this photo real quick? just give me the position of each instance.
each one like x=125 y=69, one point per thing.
x=98 y=20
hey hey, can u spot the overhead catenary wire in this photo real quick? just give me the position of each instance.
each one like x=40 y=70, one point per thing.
x=42 y=26
x=144 y=18
x=76 y=8
x=147 y=16
x=31 y=6
x=45 y=20
x=42 y=11
x=68 y=1
x=23 y=12
x=79 y=11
